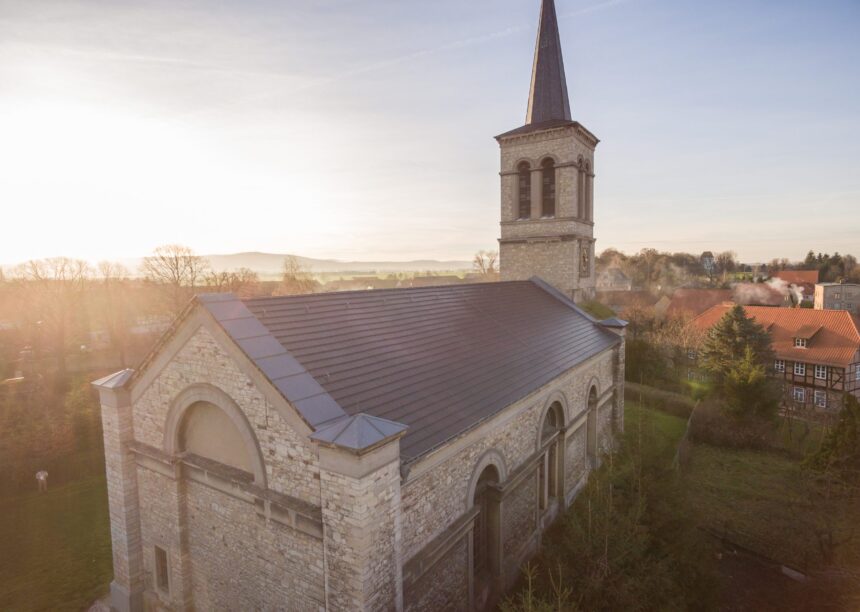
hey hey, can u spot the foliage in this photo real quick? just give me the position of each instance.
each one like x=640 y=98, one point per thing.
x=43 y=429
x=628 y=542
x=834 y=267
x=727 y=343
x=748 y=392
x=713 y=422
x=840 y=451
x=659 y=399
x=295 y=279
x=597 y=310
x=177 y=270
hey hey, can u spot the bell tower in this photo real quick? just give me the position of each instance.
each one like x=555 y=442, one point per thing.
x=547 y=171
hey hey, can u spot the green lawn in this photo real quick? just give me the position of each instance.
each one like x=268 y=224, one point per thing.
x=764 y=501
x=666 y=425
x=55 y=551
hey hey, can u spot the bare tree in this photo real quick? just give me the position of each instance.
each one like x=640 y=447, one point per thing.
x=113 y=306
x=178 y=270
x=295 y=279
x=485 y=262
x=243 y=282
x=54 y=290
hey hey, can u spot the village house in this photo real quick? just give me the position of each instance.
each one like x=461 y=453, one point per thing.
x=838 y=296
x=802 y=282
x=395 y=449
x=817 y=353
x=613 y=279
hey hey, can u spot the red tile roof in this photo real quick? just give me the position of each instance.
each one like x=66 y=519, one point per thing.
x=836 y=342
x=695 y=301
x=798 y=277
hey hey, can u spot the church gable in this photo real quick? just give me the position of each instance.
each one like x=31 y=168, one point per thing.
x=198 y=371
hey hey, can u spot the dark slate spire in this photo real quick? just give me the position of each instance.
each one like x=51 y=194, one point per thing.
x=548 y=96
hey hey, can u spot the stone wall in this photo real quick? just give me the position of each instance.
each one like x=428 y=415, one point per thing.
x=290 y=458
x=519 y=518
x=436 y=492
x=525 y=246
x=576 y=459
x=226 y=553
x=236 y=558
x=445 y=586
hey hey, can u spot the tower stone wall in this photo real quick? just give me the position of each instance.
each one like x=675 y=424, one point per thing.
x=558 y=249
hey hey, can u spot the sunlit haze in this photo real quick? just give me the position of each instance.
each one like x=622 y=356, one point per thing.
x=362 y=130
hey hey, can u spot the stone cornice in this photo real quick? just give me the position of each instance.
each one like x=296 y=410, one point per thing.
x=545 y=220
x=238 y=484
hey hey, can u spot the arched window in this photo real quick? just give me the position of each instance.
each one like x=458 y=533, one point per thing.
x=548 y=173
x=549 y=471
x=591 y=426
x=524 y=193
x=207 y=431
x=485 y=532
x=580 y=189
x=589 y=192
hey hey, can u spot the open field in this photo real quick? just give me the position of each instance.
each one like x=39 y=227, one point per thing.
x=55 y=547
x=764 y=501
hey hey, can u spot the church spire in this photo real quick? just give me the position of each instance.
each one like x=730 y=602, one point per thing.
x=548 y=96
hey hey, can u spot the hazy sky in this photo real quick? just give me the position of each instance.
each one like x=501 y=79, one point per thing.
x=362 y=129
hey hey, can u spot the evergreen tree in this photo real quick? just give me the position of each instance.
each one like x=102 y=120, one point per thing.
x=747 y=390
x=840 y=450
x=728 y=343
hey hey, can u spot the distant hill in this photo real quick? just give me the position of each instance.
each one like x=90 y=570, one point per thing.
x=272 y=263
x=269 y=264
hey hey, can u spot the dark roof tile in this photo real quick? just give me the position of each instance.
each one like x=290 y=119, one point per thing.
x=437 y=359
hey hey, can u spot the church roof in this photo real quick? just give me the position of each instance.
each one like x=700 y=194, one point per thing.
x=438 y=360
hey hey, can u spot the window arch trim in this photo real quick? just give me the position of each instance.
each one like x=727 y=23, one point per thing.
x=204 y=392
x=491 y=457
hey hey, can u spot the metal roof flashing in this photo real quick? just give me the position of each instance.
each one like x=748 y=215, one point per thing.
x=359 y=434
x=117 y=380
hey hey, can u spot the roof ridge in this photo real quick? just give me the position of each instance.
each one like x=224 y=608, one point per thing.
x=304 y=296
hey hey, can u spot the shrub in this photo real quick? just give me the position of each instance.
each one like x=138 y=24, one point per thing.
x=714 y=423
x=666 y=401
x=840 y=451
x=629 y=541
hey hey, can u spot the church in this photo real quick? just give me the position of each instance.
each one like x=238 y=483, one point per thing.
x=396 y=449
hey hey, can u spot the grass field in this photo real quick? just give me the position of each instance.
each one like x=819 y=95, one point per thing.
x=55 y=548
x=765 y=502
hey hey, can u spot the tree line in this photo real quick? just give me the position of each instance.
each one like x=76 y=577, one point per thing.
x=662 y=271
x=53 y=308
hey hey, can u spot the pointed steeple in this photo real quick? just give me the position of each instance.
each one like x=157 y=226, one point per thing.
x=548 y=96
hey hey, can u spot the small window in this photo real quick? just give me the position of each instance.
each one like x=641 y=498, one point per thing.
x=162 y=576
x=857 y=373
x=779 y=365
x=836 y=296
x=821 y=398
x=691 y=375
x=800 y=342
x=821 y=372
x=799 y=394
x=799 y=368
x=691 y=354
